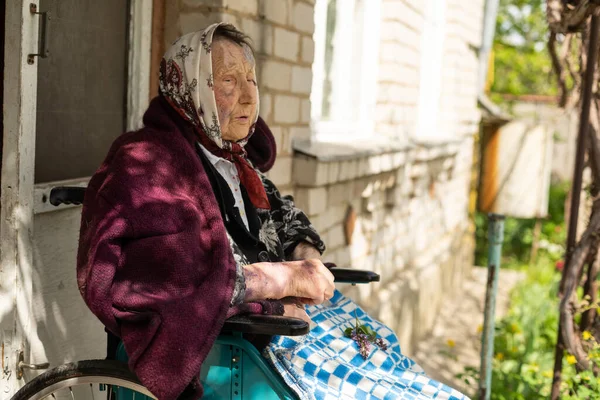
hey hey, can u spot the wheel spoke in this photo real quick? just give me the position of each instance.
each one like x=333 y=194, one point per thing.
x=75 y=379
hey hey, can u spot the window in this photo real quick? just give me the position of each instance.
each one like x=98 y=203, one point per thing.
x=345 y=69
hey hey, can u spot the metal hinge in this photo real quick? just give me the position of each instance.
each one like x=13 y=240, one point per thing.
x=21 y=364
x=43 y=51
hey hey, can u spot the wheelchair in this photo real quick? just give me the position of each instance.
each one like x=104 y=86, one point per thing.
x=233 y=369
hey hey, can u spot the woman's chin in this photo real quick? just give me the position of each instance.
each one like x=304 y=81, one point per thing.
x=236 y=136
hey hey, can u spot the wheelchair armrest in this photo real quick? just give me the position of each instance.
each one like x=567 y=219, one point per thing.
x=67 y=195
x=346 y=275
x=266 y=325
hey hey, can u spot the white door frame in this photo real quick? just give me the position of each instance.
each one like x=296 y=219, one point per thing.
x=140 y=49
x=20 y=199
x=16 y=200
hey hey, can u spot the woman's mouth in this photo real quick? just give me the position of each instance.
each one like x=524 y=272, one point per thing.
x=243 y=119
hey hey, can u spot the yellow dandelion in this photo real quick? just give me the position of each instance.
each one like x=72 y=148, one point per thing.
x=547 y=374
x=479 y=328
x=533 y=367
x=499 y=356
x=586 y=335
x=451 y=343
x=571 y=359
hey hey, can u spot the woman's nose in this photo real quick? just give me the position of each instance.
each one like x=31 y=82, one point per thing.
x=249 y=93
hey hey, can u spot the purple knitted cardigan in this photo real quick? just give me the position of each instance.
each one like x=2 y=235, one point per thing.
x=154 y=262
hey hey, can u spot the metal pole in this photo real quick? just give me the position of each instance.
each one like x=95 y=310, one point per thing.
x=495 y=238
x=584 y=121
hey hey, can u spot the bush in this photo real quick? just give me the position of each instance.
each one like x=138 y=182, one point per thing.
x=525 y=338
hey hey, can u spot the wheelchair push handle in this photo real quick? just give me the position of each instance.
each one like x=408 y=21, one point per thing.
x=67 y=195
x=347 y=275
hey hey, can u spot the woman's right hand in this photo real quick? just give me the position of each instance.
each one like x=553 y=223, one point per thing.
x=308 y=280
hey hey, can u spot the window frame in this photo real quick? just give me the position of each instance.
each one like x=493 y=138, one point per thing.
x=352 y=115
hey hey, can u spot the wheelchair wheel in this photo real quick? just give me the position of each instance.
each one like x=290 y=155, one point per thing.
x=90 y=379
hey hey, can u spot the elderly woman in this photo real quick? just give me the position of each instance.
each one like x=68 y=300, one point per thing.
x=180 y=230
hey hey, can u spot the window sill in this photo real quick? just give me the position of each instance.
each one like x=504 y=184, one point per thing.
x=329 y=151
x=324 y=163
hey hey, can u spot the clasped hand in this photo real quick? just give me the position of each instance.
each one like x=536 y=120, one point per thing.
x=296 y=283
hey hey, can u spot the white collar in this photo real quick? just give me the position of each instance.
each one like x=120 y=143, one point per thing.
x=214 y=160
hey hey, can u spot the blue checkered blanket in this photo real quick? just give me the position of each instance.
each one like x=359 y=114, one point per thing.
x=326 y=365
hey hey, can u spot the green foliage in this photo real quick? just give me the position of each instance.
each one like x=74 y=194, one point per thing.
x=582 y=384
x=525 y=338
x=522 y=63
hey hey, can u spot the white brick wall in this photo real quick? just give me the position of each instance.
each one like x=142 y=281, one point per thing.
x=245 y=6
x=276 y=75
x=303 y=18
x=276 y=10
x=287 y=109
x=412 y=221
x=308 y=50
x=399 y=71
x=287 y=44
x=301 y=79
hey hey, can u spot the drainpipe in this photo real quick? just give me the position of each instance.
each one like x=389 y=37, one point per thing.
x=495 y=239
x=496 y=222
x=490 y=14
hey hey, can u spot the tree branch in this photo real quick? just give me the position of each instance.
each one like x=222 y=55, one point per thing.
x=567 y=19
x=558 y=69
x=568 y=303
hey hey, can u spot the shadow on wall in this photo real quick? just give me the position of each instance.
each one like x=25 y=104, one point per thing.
x=65 y=329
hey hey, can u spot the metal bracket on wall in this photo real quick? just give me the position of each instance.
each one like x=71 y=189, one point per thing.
x=43 y=51
x=21 y=364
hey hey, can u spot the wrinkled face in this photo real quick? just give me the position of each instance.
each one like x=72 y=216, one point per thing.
x=235 y=88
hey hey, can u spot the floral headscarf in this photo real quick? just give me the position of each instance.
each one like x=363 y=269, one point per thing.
x=186 y=81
